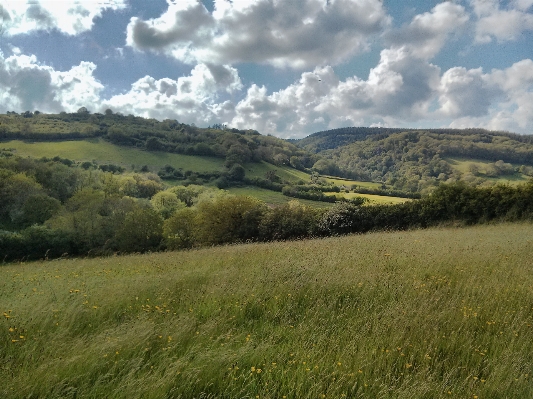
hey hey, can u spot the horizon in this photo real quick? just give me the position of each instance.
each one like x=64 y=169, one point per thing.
x=282 y=69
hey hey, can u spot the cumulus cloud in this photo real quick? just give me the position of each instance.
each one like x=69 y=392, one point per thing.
x=427 y=33
x=283 y=33
x=500 y=99
x=69 y=17
x=27 y=85
x=466 y=92
x=400 y=86
x=501 y=24
x=191 y=98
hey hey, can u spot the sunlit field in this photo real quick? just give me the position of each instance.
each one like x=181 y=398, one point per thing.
x=106 y=152
x=462 y=165
x=275 y=197
x=422 y=314
x=373 y=199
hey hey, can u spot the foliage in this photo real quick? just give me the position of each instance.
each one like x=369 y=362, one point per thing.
x=289 y=221
x=415 y=160
x=236 y=146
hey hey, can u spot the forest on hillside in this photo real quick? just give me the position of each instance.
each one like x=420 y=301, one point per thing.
x=417 y=160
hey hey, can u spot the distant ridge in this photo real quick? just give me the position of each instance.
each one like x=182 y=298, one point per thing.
x=334 y=138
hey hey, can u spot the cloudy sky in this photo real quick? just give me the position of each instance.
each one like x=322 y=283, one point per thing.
x=283 y=67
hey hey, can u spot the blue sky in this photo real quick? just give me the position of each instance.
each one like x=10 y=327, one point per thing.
x=286 y=68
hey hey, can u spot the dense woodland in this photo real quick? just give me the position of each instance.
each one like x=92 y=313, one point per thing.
x=416 y=160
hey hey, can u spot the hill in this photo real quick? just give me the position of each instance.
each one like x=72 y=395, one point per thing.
x=177 y=152
x=434 y=313
x=416 y=160
x=231 y=145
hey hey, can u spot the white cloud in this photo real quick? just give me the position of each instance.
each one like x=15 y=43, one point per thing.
x=501 y=24
x=27 y=85
x=427 y=33
x=281 y=33
x=466 y=92
x=399 y=87
x=505 y=97
x=70 y=17
x=192 y=99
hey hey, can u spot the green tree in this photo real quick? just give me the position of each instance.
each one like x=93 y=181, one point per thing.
x=141 y=231
x=179 y=231
x=166 y=203
x=229 y=218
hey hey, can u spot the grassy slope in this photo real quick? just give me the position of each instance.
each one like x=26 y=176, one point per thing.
x=105 y=152
x=462 y=164
x=422 y=314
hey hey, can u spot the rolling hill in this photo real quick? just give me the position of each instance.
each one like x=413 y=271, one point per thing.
x=416 y=160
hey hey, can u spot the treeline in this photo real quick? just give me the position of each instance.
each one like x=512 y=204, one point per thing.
x=236 y=146
x=415 y=160
x=335 y=138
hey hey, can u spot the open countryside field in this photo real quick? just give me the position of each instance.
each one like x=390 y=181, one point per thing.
x=105 y=152
x=421 y=314
x=274 y=197
x=338 y=181
x=284 y=172
x=463 y=165
x=372 y=198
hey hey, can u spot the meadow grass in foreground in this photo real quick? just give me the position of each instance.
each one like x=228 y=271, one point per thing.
x=422 y=314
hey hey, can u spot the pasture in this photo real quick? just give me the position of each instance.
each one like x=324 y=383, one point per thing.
x=105 y=152
x=436 y=313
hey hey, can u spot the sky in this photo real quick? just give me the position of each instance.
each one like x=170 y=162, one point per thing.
x=287 y=68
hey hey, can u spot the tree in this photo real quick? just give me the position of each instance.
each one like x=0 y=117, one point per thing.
x=229 y=218
x=236 y=172
x=179 y=231
x=166 y=203
x=141 y=231
x=291 y=220
x=38 y=208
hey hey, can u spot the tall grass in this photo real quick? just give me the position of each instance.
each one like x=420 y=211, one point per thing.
x=423 y=314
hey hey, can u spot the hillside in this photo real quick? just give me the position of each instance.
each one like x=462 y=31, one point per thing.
x=421 y=314
x=417 y=160
x=231 y=145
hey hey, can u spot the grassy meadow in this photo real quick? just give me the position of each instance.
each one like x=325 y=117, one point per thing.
x=463 y=164
x=105 y=152
x=440 y=313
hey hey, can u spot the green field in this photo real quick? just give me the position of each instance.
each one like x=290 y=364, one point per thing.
x=338 y=181
x=104 y=152
x=462 y=165
x=284 y=172
x=422 y=314
x=372 y=198
x=274 y=197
